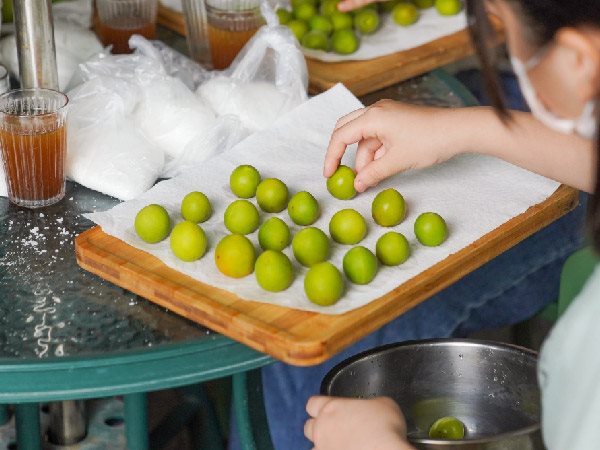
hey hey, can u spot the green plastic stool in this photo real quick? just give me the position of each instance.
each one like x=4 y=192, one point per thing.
x=576 y=271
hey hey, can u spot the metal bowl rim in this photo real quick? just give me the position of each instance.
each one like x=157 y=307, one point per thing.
x=414 y=343
x=439 y=343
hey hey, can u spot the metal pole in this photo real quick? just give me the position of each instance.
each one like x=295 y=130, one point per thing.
x=35 y=43
x=67 y=422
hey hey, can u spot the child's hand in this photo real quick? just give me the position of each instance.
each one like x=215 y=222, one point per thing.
x=393 y=137
x=350 y=424
x=349 y=5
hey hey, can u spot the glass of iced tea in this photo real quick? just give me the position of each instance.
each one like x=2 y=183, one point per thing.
x=218 y=29
x=33 y=144
x=118 y=20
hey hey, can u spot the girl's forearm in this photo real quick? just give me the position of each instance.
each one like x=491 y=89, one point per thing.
x=527 y=143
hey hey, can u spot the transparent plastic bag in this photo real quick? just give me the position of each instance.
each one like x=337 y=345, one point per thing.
x=105 y=150
x=137 y=118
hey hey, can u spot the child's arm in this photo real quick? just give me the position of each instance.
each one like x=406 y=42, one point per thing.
x=394 y=137
x=350 y=424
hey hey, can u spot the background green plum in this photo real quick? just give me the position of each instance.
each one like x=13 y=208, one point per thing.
x=347 y=227
x=341 y=183
x=360 y=265
x=235 y=256
x=392 y=249
x=188 y=241
x=152 y=223
x=310 y=246
x=303 y=208
x=244 y=180
x=196 y=207
x=431 y=229
x=274 y=271
x=323 y=284
x=274 y=234
x=388 y=208
x=241 y=217
x=272 y=195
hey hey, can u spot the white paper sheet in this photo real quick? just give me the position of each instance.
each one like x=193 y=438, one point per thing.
x=391 y=38
x=474 y=194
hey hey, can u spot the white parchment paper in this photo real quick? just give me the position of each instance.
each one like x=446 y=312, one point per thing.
x=474 y=194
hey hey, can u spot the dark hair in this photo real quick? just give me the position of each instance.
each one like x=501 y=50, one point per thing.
x=543 y=19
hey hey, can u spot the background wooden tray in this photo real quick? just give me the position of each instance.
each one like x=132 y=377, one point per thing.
x=364 y=77
x=298 y=337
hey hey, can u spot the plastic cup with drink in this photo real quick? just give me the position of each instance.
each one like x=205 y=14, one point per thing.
x=118 y=20
x=218 y=29
x=33 y=144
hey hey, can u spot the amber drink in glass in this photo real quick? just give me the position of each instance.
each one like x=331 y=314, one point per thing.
x=118 y=20
x=33 y=143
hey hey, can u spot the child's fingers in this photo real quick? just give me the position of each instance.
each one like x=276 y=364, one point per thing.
x=350 y=133
x=373 y=173
x=349 y=118
x=315 y=404
x=349 y=5
x=366 y=152
x=309 y=426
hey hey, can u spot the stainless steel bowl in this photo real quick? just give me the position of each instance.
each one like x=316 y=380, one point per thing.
x=491 y=387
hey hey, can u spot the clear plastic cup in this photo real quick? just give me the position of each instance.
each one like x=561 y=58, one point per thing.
x=118 y=20
x=223 y=26
x=33 y=144
x=196 y=31
x=4 y=79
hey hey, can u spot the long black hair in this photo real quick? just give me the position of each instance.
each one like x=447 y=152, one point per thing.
x=542 y=19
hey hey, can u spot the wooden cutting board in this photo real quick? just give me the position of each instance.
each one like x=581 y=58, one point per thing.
x=298 y=337
x=364 y=77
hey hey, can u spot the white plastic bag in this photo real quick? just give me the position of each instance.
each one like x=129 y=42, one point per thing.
x=172 y=124
x=105 y=150
x=266 y=80
x=135 y=118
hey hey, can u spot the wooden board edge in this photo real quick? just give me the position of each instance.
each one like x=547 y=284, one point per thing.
x=263 y=338
x=372 y=315
x=439 y=55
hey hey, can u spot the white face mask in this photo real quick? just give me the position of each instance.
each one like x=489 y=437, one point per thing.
x=584 y=126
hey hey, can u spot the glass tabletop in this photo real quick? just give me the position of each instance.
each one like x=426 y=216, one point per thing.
x=50 y=308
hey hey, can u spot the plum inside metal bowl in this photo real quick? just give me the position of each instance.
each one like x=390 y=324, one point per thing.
x=490 y=387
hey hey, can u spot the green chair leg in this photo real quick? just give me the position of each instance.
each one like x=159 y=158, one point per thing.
x=249 y=411
x=210 y=433
x=4 y=415
x=195 y=412
x=28 y=426
x=136 y=421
